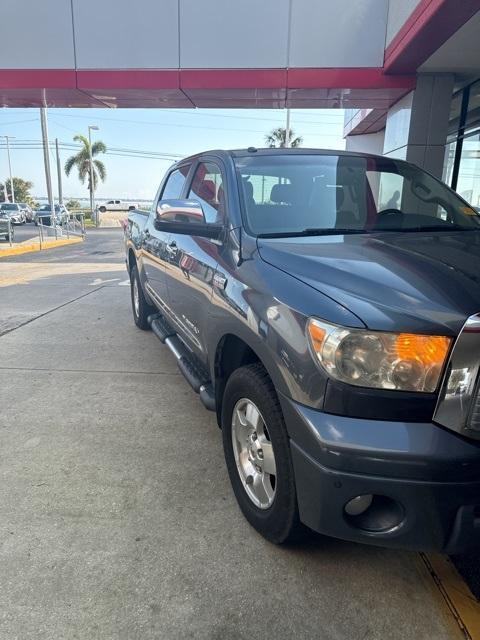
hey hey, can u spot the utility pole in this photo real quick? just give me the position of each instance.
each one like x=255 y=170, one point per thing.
x=59 y=174
x=46 y=160
x=287 y=130
x=12 y=190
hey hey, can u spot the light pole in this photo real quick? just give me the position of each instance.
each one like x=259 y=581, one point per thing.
x=12 y=190
x=46 y=160
x=92 y=127
x=59 y=174
x=287 y=130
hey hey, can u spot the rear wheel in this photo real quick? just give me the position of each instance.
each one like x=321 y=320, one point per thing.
x=257 y=454
x=140 y=307
x=102 y=209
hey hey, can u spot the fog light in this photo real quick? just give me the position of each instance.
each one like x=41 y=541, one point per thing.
x=358 y=505
x=374 y=513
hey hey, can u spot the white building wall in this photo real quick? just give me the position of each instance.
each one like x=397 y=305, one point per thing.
x=417 y=125
x=398 y=12
x=121 y=34
x=398 y=128
x=338 y=33
x=36 y=35
x=168 y=34
x=366 y=143
x=232 y=34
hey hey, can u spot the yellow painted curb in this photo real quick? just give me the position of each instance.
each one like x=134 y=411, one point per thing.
x=29 y=248
x=457 y=597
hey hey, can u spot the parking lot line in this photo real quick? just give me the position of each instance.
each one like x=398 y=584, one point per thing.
x=456 y=595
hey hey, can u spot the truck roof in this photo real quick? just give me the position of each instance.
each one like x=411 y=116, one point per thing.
x=251 y=151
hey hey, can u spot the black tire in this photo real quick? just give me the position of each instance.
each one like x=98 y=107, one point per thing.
x=279 y=523
x=144 y=309
x=102 y=209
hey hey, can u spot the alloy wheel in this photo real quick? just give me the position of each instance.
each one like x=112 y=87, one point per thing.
x=254 y=455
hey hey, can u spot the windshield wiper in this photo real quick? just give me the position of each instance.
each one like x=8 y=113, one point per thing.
x=310 y=232
x=433 y=227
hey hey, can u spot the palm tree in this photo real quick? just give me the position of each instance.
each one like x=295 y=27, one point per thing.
x=81 y=161
x=277 y=138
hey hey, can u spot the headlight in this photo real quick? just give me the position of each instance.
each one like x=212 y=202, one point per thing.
x=380 y=360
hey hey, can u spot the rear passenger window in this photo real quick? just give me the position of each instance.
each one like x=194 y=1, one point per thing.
x=207 y=189
x=174 y=184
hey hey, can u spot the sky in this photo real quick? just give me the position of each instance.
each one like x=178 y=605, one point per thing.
x=171 y=133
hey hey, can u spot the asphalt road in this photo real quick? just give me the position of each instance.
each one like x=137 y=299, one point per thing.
x=117 y=519
x=25 y=231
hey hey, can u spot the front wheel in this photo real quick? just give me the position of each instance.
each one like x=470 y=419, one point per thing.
x=257 y=454
x=140 y=307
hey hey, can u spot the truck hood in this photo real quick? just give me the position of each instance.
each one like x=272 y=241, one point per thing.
x=415 y=282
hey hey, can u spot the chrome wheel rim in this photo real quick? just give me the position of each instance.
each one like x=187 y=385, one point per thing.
x=254 y=454
x=136 y=298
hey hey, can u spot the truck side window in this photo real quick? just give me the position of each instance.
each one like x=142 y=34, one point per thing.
x=207 y=188
x=172 y=189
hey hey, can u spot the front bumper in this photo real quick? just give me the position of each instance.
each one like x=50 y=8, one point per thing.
x=425 y=479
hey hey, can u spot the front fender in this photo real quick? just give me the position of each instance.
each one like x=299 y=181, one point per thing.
x=268 y=310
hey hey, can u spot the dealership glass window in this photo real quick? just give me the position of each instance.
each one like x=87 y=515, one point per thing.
x=455 y=110
x=468 y=181
x=473 y=111
x=462 y=152
x=449 y=161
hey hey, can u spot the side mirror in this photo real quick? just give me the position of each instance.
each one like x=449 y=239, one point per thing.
x=185 y=217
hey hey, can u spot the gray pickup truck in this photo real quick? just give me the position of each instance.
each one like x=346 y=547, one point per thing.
x=326 y=305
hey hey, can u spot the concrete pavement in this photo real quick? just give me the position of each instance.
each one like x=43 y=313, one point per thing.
x=117 y=519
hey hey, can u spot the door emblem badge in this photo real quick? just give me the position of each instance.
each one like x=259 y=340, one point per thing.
x=219 y=281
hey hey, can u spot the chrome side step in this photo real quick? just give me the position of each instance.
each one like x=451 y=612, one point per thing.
x=194 y=373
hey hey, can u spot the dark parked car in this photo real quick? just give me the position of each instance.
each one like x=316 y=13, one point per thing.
x=44 y=214
x=326 y=306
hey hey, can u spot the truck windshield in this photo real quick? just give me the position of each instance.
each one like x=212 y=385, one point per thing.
x=312 y=194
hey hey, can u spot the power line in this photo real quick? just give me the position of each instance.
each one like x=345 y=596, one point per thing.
x=190 y=126
x=32 y=145
x=197 y=113
x=19 y=121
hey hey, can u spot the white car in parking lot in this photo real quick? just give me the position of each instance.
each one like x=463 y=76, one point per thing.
x=27 y=210
x=13 y=211
x=117 y=205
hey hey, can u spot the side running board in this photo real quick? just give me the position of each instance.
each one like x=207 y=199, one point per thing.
x=195 y=374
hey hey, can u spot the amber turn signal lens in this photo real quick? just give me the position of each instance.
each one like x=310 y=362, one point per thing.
x=317 y=335
x=429 y=350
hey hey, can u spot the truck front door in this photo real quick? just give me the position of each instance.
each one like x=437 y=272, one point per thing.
x=193 y=260
x=154 y=254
